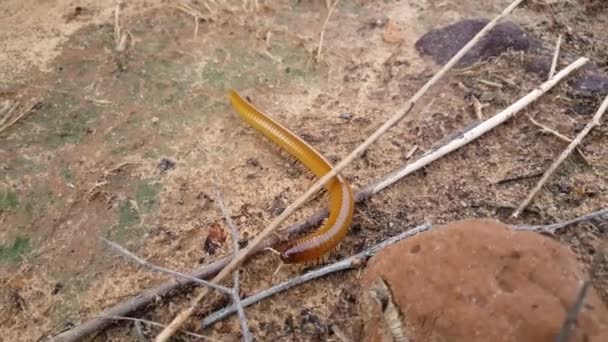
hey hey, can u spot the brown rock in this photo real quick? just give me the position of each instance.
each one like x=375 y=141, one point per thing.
x=392 y=33
x=443 y=43
x=476 y=280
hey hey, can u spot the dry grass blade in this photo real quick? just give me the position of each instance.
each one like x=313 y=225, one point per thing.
x=7 y=111
x=322 y=36
x=19 y=116
x=186 y=313
x=555 y=56
x=117 y=31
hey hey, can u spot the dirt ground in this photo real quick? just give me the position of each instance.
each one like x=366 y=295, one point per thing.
x=125 y=145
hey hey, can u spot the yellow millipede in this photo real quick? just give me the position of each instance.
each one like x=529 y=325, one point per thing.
x=341 y=200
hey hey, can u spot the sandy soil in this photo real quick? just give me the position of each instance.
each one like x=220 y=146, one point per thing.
x=87 y=162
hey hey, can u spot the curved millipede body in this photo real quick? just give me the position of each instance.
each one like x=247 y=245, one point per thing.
x=341 y=199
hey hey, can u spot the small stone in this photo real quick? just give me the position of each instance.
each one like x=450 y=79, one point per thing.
x=443 y=43
x=564 y=186
x=591 y=84
x=392 y=33
x=539 y=66
x=345 y=116
x=476 y=280
x=166 y=164
x=378 y=21
x=155 y=120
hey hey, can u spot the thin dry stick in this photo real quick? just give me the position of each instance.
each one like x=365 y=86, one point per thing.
x=558 y=135
x=196 y=14
x=595 y=121
x=145 y=321
x=348 y=263
x=564 y=333
x=550 y=130
x=577 y=307
x=236 y=298
x=186 y=313
x=331 y=11
x=120 y=249
x=481 y=128
x=117 y=33
x=478 y=108
x=553 y=228
x=555 y=57
x=139 y=332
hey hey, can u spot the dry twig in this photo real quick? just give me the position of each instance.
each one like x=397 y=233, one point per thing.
x=553 y=228
x=236 y=298
x=546 y=129
x=197 y=15
x=346 y=264
x=555 y=57
x=186 y=313
x=572 y=314
x=478 y=108
x=120 y=37
x=481 y=128
x=120 y=249
x=564 y=333
x=117 y=33
x=145 y=321
x=595 y=121
x=139 y=331
x=331 y=11
x=490 y=83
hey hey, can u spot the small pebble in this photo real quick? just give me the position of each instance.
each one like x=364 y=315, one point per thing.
x=166 y=164
x=346 y=116
x=155 y=120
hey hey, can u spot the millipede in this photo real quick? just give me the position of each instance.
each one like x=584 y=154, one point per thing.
x=316 y=244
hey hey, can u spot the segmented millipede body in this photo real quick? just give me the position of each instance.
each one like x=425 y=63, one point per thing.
x=341 y=200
